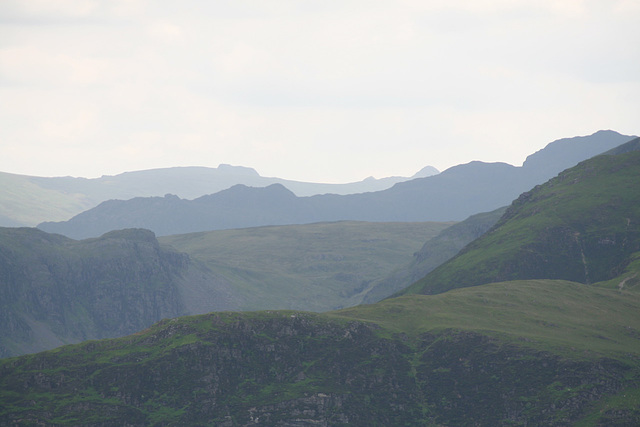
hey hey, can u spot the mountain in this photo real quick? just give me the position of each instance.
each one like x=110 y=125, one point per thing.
x=583 y=226
x=534 y=351
x=506 y=354
x=433 y=253
x=28 y=200
x=54 y=290
x=452 y=195
x=314 y=267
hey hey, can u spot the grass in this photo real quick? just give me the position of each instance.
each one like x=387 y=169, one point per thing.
x=30 y=204
x=551 y=315
x=556 y=231
x=314 y=267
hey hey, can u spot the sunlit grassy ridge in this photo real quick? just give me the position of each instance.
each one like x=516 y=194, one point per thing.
x=546 y=314
x=542 y=352
x=581 y=226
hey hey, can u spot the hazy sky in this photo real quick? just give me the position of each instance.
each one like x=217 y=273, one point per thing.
x=326 y=91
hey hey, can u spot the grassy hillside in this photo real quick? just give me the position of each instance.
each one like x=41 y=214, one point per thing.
x=556 y=316
x=433 y=253
x=500 y=354
x=25 y=203
x=487 y=352
x=581 y=226
x=55 y=290
x=315 y=267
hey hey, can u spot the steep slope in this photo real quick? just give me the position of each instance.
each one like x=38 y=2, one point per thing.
x=526 y=352
x=582 y=226
x=452 y=195
x=29 y=200
x=488 y=356
x=433 y=253
x=54 y=290
x=568 y=152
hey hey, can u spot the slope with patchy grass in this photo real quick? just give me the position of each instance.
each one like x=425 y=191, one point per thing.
x=500 y=354
x=581 y=226
x=315 y=267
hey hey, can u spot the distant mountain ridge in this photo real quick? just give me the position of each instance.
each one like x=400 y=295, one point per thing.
x=530 y=351
x=583 y=226
x=55 y=290
x=452 y=195
x=29 y=200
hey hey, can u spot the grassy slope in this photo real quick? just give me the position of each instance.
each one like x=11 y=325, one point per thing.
x=28 y=204
x=315 y=267
x=580 y=226
x=96 y=381
x=433 y=253
x=551 y=315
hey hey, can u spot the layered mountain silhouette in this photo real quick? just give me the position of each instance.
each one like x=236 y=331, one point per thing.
x=452 y=195
x=55 y=290
x=29 y=200
x=583 y=226
x=544 y=349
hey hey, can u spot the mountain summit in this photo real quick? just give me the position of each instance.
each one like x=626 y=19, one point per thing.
x=452 y=195
x=583 y=226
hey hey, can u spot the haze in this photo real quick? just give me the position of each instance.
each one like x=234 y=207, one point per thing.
x=308 y=90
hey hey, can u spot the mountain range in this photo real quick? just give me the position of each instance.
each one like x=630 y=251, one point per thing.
x=563 y=229
x=452 y=195
x=55 y=290
x=557 y=343
x=29 y=200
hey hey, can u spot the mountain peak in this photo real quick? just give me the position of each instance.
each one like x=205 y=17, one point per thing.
x=425 y=172
x=568 y=152
x=237 y=170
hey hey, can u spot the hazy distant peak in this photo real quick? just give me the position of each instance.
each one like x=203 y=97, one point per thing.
x=477 y=166
x=567 y=152
x=425 y=172
x=239 y=170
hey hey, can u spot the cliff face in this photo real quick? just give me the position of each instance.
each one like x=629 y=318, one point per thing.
x=54 y=290
x=292 y=369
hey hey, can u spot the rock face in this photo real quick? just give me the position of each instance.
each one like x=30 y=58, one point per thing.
x=294 y=369
x=54 y=290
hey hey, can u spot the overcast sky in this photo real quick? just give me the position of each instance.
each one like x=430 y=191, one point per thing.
x=324 y=91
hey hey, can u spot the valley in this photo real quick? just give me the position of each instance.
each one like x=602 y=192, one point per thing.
x=522 y=314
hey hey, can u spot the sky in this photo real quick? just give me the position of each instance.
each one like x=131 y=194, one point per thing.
x=318 y=91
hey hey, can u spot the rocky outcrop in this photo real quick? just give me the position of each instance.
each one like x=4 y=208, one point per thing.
x=294 y=369
x=55 y=290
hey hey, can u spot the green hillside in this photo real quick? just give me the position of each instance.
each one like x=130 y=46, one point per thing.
x=315 y=267
x=433 y=253
x=581 y=226
x=535 y=323
x=55 y=290
x=520 y=353
x=25 y=203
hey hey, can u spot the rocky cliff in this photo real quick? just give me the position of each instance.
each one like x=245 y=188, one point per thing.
x=54 y=290
x=294 y=369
